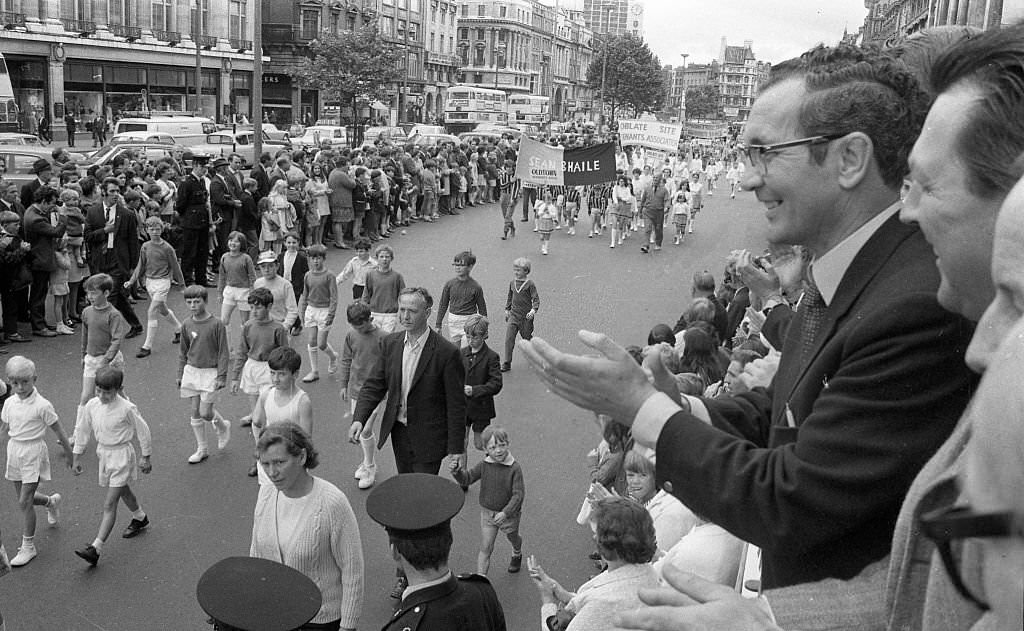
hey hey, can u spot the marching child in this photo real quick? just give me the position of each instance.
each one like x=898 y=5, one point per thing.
x=317 y=307
x=116 y=424
x=509 y=185
x=597 y=202
x=284 y=308
x=681 y=211
x=260 y=336
x=520 y=308
x=462 y=296
x=158 y=265
x=105 y=330
x=547 y=216
x=483 y=379
x=203 y=370
x=502 y=493
x=23 y=423
x=285 y=402
x=571 y=207
x=382 y=288
x=357 y=267
x=235 y=278
x=362 y=349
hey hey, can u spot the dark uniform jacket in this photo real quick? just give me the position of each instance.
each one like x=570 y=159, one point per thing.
x=222 y=199
x=483 y=374
x=466 y=603
x=191 y=204
x=814 y=469
x=120 y=260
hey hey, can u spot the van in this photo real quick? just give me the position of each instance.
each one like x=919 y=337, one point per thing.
x=186 y=129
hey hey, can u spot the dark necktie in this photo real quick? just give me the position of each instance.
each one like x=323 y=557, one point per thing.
x=812 y=308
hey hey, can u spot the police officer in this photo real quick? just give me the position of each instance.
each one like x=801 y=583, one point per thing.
x=249 y=594
x=193 y=207
x=416 y=510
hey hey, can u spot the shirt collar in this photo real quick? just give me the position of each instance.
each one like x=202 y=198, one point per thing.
x=415 y=588
x=420 y=341
x=828 y=269
x=508 y=461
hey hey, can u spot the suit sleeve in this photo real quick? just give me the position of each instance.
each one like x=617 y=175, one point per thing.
x=493 y=384
x=374 y=389
x=892 y=401
x=455 y=400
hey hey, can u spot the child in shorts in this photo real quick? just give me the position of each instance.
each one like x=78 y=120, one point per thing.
x=318 y=305
x=158 y=266
x=23 y=423
x=483 y=379
x=235 y=277
x=260 y=335
x=357 y=267
x=105 y=330
x=681 y=211
x=382 y=288
x=284 y=402
x=520 y=308
x=203 y=370
x=502 y=493
x=362 y=349
x=462 y=298
x=116 y=424
x=509 y=186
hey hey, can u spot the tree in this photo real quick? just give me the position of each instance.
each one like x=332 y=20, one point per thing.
x=355 y=65
x=633 y=77
x=702 y=102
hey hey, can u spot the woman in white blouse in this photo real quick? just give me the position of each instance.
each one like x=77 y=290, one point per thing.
x=308 y=524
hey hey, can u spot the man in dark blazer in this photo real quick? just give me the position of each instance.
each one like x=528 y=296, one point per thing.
x=259 y=173
x=224 y=202
x=43 y=171
x=193 y=208
x=814 y=469
x=297 y=274
x=43 y=227
x=422 y=375
x=112 y=233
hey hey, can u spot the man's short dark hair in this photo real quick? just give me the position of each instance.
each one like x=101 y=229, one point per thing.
x=418 y=291
x=45 y=194
x=993 y=136
x=425 y=552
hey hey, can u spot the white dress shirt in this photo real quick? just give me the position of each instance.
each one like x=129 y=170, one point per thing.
x=411 y=351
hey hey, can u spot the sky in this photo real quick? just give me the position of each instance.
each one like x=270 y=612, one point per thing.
x=780 y=29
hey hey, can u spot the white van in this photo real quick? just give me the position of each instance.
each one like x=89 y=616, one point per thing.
x=186 y=129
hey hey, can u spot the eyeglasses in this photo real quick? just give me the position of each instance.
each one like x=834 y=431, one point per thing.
x=945 y=525
x=757 y=155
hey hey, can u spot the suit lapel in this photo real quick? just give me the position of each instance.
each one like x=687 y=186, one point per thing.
x=871 y=258
x=425 y=354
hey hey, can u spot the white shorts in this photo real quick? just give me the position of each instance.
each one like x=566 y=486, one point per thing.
x=386 y=322
x=28 y=461
x=457 y=327
x=199 y=382
x=92 y=363
x=236 y=297
x=117 y=465
x=158 y=288
x=316 y=316
x=255 y=376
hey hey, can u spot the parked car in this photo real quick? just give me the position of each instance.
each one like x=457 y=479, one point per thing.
x=396 y=135
x=270 y=130
x=186 y=129
x=143 y=137
x=318 y=135
x=15 y=138
x=426 y=130
x=224 y=143
x=154 y=152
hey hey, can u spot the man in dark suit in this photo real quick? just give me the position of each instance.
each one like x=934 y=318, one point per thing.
x=224 y=201
x=112 y=232
x=813 y=469
x=193 y=207
x=259 y=173
x=293 y=268
x=43 y=227
x=43 y=171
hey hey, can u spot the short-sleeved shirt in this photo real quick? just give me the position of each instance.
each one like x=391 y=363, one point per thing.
x=27 y=419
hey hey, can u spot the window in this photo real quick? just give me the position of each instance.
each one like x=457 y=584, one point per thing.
x=310 y=23
x=451 y=44
x=465 y=10
x=117 y=11
x=401 y=28
x=387 y=25
x=335 y=22
x=480 y=35
x=481 y=10
x=412 y=32
x=463 y=33
x=205 y=16
x=163 y=15
x=350 y=22
x=502 y=12
x=432 y=41
x=238 y=25
x=433 y=16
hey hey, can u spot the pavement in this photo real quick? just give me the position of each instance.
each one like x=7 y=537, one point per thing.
x=203 y=513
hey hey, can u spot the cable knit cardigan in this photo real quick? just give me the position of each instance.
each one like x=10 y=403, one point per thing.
x=327 y=548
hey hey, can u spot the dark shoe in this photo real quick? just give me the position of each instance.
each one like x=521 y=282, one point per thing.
x=135 y=331
x=177 y=338
x=524 y=219
x=245 y=421
x=516 y=563
x=17 y=337
x=44 y=333
x=89 y=555
x=52 y=327
x=594 y=556
x=135 y=527
x=143 y=352
x=644 y=249
x=506 y=367
x=399 y=588
x=252 y=472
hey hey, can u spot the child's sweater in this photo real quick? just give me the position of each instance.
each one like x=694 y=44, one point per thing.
x=501 y=484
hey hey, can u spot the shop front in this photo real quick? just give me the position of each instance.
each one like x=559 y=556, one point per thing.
x=28 y=78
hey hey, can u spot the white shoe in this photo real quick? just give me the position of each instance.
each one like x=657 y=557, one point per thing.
x=53 y=509
x=367 y=480
x=332 y=366
x=199 y=456
x=64 y=329
x=25 y=554
x=691 y=231
x=223 y=435
x=360 y=471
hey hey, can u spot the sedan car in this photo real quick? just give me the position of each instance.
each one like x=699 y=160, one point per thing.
x=431 y=140
x=396 y=135
x=319 y=135
x=15 y=138
x=152 y=152
x=143 y=137
x=224 y=143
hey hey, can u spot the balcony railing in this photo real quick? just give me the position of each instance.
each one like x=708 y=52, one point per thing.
x=130 y=33
x=207 y=41
x=282 y=33
x=241 y=45
x=171 y=37
x=82 y=27
x=446 y=60
x=10 y=19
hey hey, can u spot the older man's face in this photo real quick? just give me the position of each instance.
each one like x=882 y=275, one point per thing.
x=957 y=222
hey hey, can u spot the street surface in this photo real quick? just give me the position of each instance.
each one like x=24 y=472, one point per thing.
x=203 y=513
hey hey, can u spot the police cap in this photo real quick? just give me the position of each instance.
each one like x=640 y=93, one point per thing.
x=413 y=505
x=250 y=594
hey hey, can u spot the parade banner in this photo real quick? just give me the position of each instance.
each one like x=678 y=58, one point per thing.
x=553 y=166
x=652 y=134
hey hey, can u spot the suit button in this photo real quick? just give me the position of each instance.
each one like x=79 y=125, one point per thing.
x=416 y=610
x=667 y=486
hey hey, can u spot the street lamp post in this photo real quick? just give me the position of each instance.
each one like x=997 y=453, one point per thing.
x=604 y=67
x=682 y=95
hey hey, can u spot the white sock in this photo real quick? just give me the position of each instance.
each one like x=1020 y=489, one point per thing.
x=174 y=320
x=28 y=542
x=218 y=421
x=369 y=445
x=331 y=352
x=200 y=433
x=150 y=333
x=312 y=350
x=139 y=514
x=98 y=544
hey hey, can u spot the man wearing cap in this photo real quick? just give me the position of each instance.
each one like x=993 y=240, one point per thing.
x=284 y=309
x=43 y=171
x=193 y=207
x=416 y=511
x=224 y=201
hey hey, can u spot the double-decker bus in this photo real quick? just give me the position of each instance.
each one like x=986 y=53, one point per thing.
x=8 y=106
x=467 y=106
x=529 y=109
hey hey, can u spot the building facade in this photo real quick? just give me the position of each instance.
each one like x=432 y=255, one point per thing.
x=614 y=17
x=526 y=47
x=888 y=22
x=740 y=75
x=108 y=57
